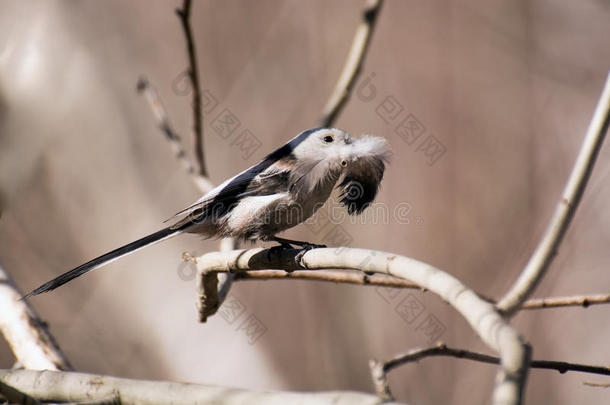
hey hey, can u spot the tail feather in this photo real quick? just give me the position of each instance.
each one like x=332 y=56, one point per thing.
x=104 y=259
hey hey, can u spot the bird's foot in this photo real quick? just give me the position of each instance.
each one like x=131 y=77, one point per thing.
x=305 y=246
x=277 y=249
x=302 y=244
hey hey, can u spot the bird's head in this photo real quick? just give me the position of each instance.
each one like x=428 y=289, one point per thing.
x=329 y=145
x=328 y=153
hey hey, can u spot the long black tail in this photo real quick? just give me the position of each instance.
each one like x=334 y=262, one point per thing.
x=105 y=259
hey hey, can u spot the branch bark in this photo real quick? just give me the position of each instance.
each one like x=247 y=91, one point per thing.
x=53 y=386
x=14 y=396
x=29 y=339
x=353 y=65
x=564 y=212
x=480 y=314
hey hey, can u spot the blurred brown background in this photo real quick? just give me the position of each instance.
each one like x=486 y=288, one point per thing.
x=507 y=88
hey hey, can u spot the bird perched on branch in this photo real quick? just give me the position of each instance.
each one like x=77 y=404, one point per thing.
x=281 y=191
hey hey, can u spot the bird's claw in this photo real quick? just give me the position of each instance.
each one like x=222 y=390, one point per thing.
x=306 y=247
x=276 y=249
x=289 y=244
x=309 y=246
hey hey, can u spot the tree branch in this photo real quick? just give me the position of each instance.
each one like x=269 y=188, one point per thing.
x=378 y=280
x=200 y=178
x=29 y=339
x=379 y=369
x=161 y=116
x=480 y=314
x=574 y=301
x=185 y=15
x=53 y=386
x=572 y=194
x=343 y=277
x=353 y=64
x=15 y=396
x=593 y=384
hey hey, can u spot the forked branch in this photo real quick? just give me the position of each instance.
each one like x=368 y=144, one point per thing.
x=380 y=369
x=564 y=212
x=480 y=314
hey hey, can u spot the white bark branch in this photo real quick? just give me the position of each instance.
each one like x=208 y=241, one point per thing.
x=332 y=276
x=481 y=315
x=353 y=64
x=53 y=386
x=549 y=244
x=26 y=334
x=14 y=396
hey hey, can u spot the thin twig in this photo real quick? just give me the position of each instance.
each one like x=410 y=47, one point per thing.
x=353 y=64
x=379 y=369
x=185 y=18
x=593 y=384
x=161 y=116
x=480 y=314
x=564 y=212
x=584 y=301
x=29 y=338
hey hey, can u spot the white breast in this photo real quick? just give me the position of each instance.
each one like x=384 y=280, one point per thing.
x=250 y=209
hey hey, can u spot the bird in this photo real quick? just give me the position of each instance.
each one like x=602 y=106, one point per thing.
x=281 y=191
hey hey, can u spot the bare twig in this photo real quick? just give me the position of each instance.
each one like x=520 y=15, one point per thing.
x=379 y=369
x=53 y=386
x=200 y=178
x=548 y=245
x=593 y=384
x=28 y=337
x=185 y=18
x=156 y=105
x=353 y=64
x=480 y=314
x=584 y=301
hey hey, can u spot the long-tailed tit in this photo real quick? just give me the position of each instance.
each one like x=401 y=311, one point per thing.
x=281 y=191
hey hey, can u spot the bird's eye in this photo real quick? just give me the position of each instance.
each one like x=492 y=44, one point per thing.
x=328 y=138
